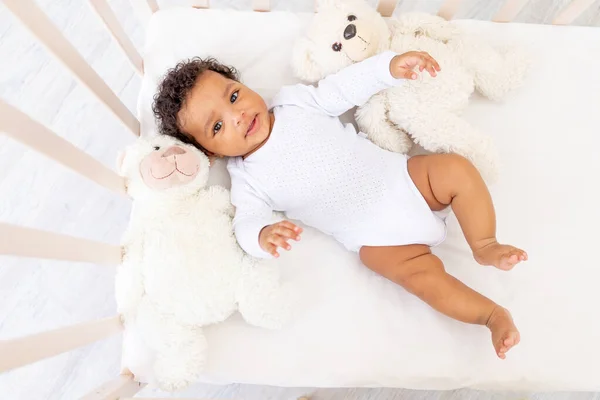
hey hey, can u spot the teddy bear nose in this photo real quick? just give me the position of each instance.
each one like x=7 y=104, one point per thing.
x=350 y=31
x=173 y=151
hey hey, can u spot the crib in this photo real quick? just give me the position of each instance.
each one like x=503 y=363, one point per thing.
x=27 y=242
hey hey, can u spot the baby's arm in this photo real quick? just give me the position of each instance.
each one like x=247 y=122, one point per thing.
x=355 y=84
x=252 y=224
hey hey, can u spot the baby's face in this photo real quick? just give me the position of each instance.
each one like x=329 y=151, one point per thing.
x=224 y=116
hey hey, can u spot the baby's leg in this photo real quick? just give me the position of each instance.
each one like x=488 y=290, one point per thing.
x=449 y=179
x=422 y=274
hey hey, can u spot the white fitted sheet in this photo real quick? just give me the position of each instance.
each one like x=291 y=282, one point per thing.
x=353 y=328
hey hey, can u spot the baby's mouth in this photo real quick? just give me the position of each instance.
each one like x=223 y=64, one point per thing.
x=252 y=127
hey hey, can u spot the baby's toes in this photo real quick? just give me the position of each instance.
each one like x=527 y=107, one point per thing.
x=520 y=254
x=523 y=255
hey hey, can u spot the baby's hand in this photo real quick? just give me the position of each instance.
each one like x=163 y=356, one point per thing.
x=402 y=65
x=277 y=235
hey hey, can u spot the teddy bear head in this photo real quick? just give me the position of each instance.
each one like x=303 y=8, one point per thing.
x=160 y=167
x=341 y=33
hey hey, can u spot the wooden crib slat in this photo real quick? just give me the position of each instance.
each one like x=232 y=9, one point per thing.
x=24 y=129
x=200 y=3
x=509 y=10
x=28 y=242
x=179 y=398
x=386 y=7
x=44 y=30
x=572 y=11
x=115 y=389
x=261 y=5
x=449 y=8
x=115 y=29
x=29 y=349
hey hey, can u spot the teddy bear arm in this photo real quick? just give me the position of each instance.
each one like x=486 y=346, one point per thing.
x=129 y=280
x=441 y=131
x=373 y=119
x=418 y=23
x=497 y=70
x=261 y=300
x=221 y=200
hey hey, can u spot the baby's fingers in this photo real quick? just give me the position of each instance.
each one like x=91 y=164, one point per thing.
x=409 y=74
x=281 y=242
x=291 y=226
x=286 y=232
x=431 y=69
x=271 y=249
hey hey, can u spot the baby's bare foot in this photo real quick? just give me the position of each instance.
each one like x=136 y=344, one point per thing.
x=501 y=256
x=504 y=332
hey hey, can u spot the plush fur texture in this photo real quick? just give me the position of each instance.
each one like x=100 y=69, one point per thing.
x=182 y=267
x=425 y=111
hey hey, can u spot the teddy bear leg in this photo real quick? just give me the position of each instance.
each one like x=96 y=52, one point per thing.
x=178 y=365
x=129 y=290
x=444 y=132
x=261 y=299
x=180 y=350
x=372 y=119
x=498 y=71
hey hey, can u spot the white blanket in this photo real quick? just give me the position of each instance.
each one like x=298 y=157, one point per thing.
x=353 y=328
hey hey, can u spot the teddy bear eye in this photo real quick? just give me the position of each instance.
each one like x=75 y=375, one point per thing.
x=351 y=17
x=336 y=46
x=156 y=147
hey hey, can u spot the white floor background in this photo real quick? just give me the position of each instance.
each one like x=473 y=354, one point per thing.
x=37 y=295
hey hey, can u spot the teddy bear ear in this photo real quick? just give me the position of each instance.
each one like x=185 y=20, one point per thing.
x=303 y=61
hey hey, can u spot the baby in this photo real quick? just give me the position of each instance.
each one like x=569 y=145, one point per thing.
x=297 y=157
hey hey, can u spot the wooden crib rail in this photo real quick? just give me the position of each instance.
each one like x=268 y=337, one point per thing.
x=111 y=23
x=24 y=129
x=29 y=349
x=28 y=12
x=261 y=5
x=572 y=11
x=28 y=242
x=449 y=8
x=386 y=7
x=117 y=389
x=509 y=10
x=200 y=3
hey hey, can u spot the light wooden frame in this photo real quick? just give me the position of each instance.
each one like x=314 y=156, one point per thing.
x=29 y=242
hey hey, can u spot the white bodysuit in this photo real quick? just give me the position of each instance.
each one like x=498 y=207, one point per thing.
x=321 y=172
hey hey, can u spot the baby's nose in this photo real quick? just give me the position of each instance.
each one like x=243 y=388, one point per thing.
x=239 y=117
x=173 y=151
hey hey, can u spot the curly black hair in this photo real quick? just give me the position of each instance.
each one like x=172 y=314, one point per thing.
x=174 y=88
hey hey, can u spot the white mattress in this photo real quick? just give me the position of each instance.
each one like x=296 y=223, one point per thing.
x=353 y=328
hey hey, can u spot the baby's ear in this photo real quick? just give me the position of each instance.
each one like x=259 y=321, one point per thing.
x=303 y=61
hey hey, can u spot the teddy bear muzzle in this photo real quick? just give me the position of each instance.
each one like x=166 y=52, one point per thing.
x=175 y=166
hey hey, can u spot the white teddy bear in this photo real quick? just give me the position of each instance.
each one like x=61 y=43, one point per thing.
x=182 y=267
x=425 y=111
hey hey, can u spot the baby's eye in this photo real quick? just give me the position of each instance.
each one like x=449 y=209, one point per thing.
x=336 y=46
x=157 y=148
x=217 y=127
x=234 y=96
